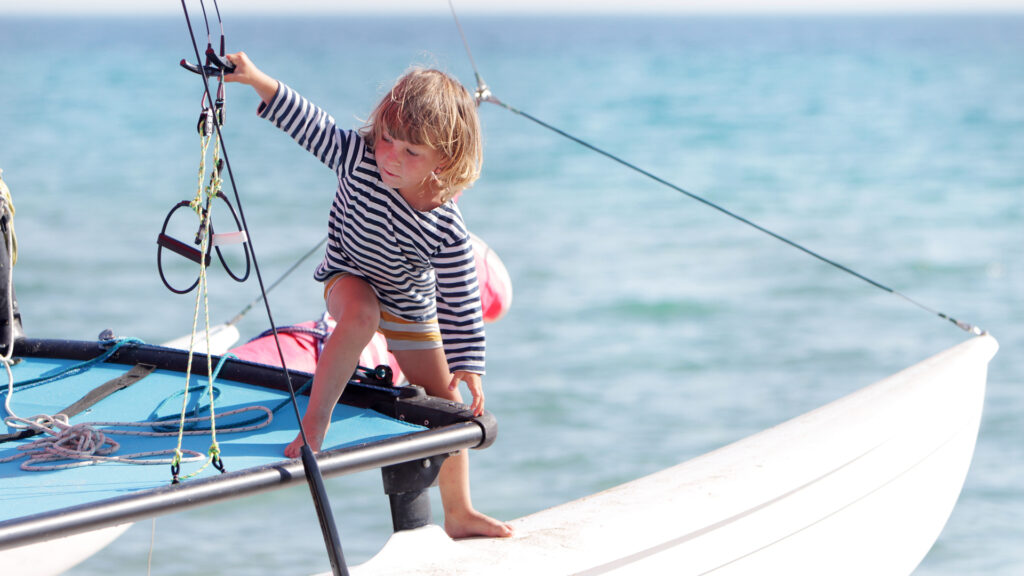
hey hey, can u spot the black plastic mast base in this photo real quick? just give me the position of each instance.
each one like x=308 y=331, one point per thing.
x=406 y=485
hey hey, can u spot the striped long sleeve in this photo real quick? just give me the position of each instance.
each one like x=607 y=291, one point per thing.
x=420 y=264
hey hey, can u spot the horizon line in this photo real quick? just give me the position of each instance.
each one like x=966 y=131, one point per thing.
x=301 y=12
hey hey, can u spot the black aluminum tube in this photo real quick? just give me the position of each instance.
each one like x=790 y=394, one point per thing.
x=195 y=493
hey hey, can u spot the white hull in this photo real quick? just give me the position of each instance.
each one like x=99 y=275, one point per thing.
x=860 y=486
x=863 y=485
x=56 y=556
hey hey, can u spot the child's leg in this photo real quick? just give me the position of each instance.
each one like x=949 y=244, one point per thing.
x=355 y=308
x=428 y=368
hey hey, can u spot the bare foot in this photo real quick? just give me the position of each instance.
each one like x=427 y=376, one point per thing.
x=314 y=433
x=474 y=524
x=294 y=449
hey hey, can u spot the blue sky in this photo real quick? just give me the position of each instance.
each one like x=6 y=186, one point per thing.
x=541 y=6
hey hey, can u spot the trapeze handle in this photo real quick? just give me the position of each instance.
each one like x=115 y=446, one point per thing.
x=179 y=247
x=195 y=69
x=214 y=66
x=219 y=61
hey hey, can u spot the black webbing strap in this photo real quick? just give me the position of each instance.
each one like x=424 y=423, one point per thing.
x=138 y=372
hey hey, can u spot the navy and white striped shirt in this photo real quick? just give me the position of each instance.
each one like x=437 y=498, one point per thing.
x=420 y=264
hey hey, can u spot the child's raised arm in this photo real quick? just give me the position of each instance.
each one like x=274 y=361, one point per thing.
x=247 y=73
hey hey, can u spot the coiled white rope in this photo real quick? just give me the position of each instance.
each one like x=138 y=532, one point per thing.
x=86 y=444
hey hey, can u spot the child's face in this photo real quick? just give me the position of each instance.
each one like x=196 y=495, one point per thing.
x=404 y=166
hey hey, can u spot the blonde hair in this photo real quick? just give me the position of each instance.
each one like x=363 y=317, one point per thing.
x=427 y=107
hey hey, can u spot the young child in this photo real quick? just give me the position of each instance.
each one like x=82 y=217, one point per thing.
x=399 y=257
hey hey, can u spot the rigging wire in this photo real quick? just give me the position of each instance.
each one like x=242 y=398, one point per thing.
x=281 y=278
x=484 y=94
x=206 y=20
x=310 y=466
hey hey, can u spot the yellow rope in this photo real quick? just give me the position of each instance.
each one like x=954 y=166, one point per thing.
x=213 y=191
x=202 y=204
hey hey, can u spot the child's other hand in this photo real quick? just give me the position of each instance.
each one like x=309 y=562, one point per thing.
x=476 y=388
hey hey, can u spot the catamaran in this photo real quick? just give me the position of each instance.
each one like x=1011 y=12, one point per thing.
x=104 y=433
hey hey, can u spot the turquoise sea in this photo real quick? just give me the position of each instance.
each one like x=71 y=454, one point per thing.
x=646 y=328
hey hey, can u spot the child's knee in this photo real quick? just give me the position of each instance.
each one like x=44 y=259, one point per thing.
x=362 y=319
x=354 y=306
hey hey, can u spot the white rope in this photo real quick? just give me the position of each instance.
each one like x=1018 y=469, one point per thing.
x=87 y=444
x=152 y=545
x=7 y=208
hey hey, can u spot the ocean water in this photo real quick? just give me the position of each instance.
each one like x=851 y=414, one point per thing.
x=646 y=328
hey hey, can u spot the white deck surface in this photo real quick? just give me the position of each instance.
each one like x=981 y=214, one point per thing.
x=863 y=485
